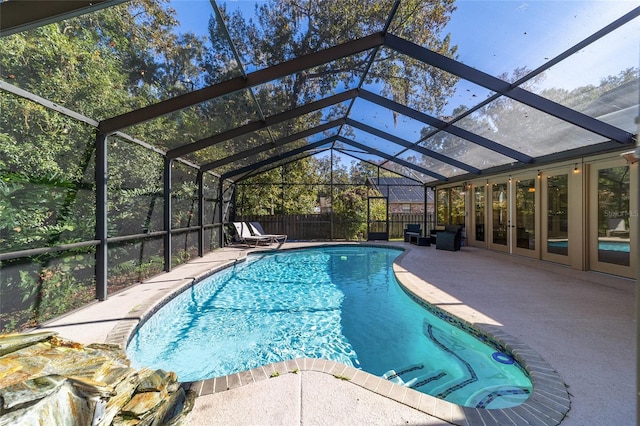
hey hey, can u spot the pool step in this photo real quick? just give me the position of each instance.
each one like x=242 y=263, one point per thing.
x=493 y=397
x=396 y=376
x=433 y=378
x=413 y=377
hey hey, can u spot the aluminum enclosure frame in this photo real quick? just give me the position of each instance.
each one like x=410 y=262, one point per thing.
x=16 y=16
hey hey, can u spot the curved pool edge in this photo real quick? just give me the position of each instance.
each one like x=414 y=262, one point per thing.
x=126 y=328
x=549 y=401
x=432 y=406
x=548 y=404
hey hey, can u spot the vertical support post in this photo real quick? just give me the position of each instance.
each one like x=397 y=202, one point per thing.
x=201 y=213
x=386 y=203
x=368 y=218
x=331 y=214
x=101 y=217
x=427 y=231
x=637 y=238
x=282 y=191
x=220 y=218
x=511 y=201
x=167 y=214
x=434 y=221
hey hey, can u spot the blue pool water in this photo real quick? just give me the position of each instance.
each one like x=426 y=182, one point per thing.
x=340 y=303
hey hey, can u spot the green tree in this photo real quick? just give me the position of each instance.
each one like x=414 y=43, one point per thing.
x=350 y=207
x=100 y=65
x=285 y=29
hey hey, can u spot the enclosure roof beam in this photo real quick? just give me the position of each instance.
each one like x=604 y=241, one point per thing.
x=239 y=83
x=505 y=88
x=273 y=159
x=390 y=158
x=349 y=154
x=412 y=146
x=284 y=163
x=575 y=155
x=261 y=124
x=442 y=125
x=17 y=16
x=267 y=146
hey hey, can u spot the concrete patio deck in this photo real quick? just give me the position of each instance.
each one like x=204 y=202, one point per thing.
x=581 y=323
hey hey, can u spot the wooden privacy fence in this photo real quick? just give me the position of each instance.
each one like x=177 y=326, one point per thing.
x=327 y=226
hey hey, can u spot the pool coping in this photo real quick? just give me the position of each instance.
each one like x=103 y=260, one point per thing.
x=125 y=329
x=548 y=403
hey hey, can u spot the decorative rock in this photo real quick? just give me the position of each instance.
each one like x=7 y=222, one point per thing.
x=142 y=403
x=29 y=390
x=45 y=379
x=12 y=342
x=156 y=381
x=63 y=407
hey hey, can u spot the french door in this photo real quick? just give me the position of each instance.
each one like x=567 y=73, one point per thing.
x=512 y=215
x=499 y=216
x=612 y=214
x=562 y=211
x=477 y=234
x=525 y=232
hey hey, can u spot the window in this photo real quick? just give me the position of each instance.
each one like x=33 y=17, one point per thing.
x=451 y=206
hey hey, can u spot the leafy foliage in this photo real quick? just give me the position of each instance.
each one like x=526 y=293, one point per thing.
x=133 y=55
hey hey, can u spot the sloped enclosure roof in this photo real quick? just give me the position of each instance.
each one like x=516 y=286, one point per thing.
x=400 y=190
x=500 y=85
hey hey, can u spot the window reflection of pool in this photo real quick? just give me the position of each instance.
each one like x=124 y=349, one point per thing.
x=604 y=245
x=623 y=246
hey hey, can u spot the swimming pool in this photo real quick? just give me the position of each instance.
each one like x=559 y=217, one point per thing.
x=340 y=303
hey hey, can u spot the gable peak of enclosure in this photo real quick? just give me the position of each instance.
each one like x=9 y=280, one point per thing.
x=407 y=85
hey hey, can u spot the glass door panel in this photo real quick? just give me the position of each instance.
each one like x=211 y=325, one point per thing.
x=612 y=210
x=613 y=215
x=557 y=229
x=479 y=211
x=444 y=212
x=500 y=216
x=525 y=217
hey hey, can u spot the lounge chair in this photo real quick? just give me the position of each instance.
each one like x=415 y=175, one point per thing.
x=243 y=235
x=256 y=229
x=617 y=228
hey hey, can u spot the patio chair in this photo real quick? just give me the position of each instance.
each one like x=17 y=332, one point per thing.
x=449 y=239
x=243 y=235
x=257 y=230
x=412 y=230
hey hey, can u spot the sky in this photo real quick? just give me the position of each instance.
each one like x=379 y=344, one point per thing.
x=497 y=37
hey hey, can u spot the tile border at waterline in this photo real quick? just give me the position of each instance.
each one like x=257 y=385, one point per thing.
x=549 y=401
